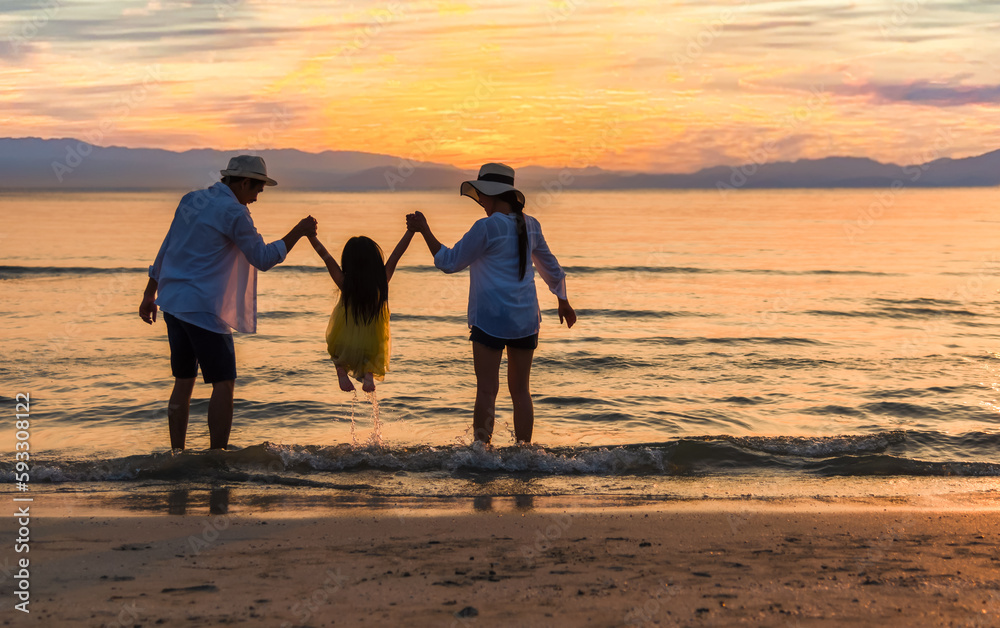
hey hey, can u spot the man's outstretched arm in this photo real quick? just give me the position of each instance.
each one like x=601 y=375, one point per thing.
x=265 y=256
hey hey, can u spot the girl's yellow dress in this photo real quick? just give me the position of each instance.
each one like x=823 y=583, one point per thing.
x=359 y=347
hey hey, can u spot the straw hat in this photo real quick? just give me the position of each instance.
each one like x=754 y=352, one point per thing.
x=494 y=180
x=249 y=166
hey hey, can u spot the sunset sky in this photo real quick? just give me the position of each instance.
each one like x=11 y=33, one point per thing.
x=650 y=85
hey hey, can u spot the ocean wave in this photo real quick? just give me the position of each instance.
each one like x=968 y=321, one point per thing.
x=292 y=268
x=894 y=313
x=590 y=362
x=626 y=314
x=792 y=363
x=894 y=466
x=282 y=314
x=884 y=453
x=691 y=270
x=18 y=272
x=923 y=302
x=735 y=341
x=13 y=272
x=430 y=318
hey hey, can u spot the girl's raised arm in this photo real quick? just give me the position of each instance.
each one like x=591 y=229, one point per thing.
x=390 y=264
x=331 y=264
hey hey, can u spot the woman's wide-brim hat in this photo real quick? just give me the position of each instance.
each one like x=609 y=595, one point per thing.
x=250 y=167
x=494 y=180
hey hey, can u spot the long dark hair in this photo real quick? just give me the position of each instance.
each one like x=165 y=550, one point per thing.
x=365 y=288
x=522 y=232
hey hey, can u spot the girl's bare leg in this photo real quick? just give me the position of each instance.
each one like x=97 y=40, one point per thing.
x=487 y=365
x=518 y=375
x=369 y=384
x=345 y=382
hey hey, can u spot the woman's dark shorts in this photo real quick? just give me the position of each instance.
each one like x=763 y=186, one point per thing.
x=480 y=336
x=191 y=346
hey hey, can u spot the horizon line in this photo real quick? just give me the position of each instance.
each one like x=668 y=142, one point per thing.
x=249 y=150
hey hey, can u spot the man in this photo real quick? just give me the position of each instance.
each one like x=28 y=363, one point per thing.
x=206 y=277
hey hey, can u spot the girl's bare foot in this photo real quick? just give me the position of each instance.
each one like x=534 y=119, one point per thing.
x=369 y=384
x=345 y=382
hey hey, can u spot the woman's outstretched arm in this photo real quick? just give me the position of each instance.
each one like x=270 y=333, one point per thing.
x=458 y=257
x=331 y=264
x=390 y=264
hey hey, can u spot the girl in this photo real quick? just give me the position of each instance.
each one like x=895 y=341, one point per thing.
x=358 y=334
x=502 y=251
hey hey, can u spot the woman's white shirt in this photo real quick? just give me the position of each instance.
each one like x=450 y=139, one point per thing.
x=499 y=303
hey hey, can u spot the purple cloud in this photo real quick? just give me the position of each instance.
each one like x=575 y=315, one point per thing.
x=925 y=93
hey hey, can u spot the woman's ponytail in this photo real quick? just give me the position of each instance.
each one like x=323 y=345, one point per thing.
x=522 y=232
x=522 y=241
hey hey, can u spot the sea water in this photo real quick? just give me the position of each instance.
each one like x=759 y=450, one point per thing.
x=791 y=333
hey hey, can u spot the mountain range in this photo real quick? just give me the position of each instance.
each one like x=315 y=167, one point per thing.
x=53 y=164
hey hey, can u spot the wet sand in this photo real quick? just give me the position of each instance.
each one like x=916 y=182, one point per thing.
x=714 y=563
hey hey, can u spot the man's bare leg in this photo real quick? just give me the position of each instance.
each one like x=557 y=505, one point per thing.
x=369 y=384
x=178 y=409
x=345 y=382
x=518 y=376
x=220 y=413
x=487 y=365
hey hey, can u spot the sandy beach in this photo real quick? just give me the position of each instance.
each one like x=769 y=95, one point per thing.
x=517 y=561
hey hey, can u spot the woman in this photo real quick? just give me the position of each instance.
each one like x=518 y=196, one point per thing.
x=502 y=250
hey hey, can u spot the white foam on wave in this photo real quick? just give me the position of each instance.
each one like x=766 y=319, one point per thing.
x=272 y=462
x=476 y=457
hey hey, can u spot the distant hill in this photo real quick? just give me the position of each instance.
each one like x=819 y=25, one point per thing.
x=71 y=164
x=32 y=163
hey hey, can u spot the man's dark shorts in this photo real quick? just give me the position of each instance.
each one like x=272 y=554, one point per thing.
x=480 y=336
x=191 y=346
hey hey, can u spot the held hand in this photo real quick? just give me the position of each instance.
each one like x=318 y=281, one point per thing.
x=147 y=310
x=416 y=222
x=307 y=226
x=566 y=313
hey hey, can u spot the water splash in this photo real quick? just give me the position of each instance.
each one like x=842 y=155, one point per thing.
x=354 y=403
x=375 y=440
x=509 y=429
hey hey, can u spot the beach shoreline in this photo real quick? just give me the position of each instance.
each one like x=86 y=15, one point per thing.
x=234 y=557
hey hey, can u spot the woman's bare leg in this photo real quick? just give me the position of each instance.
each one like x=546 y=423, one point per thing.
x=487 y=365
x=345 y=382
x=369 y=384
x=518 y=376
